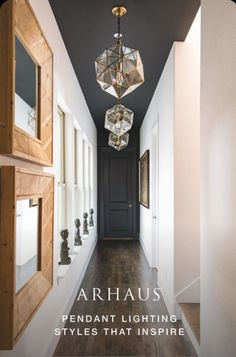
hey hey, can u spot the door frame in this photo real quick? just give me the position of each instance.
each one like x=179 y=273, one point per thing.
x=155 y=193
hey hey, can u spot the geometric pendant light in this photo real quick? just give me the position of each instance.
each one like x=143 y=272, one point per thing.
x=119 y=69
x=119 y=119
x=118 y=142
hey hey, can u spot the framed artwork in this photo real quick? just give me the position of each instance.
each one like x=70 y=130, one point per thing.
x=144 y=179
x=26 y=254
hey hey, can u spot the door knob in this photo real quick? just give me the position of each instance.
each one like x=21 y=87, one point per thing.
x=154 y=217
x=130 y=205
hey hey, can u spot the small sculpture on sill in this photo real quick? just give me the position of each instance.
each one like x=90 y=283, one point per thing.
x=64 y=254
x=78 y=240
x=91 y=222
x=85 y=230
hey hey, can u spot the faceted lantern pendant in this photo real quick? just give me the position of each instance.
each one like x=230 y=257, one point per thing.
x=118 y=142
x=119 y=70
x=119 y=119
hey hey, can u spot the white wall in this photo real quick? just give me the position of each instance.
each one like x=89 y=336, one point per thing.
x=162 y=107
x=175 y=105
x=218 y=167
x=37 y=339
x=187 y=160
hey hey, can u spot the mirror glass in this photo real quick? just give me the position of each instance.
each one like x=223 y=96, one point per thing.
x=27 y=231
x=26 y=91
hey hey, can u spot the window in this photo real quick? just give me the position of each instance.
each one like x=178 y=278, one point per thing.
x=80 y=168
x=75 y=157
x=62 y=187
x=91 y=176
x=76 y=187
x=86 y=176
x=75 y=174
x=62 y=146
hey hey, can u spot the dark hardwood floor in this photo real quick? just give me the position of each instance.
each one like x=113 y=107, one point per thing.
x=121 y=264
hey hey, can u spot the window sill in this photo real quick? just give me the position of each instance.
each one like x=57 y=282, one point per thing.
x=61 y=185
x=63 y=269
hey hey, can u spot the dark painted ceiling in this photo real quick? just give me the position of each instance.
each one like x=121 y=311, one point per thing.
x=151 y=26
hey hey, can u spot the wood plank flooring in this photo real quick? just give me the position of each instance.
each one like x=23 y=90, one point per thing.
x=121 y=264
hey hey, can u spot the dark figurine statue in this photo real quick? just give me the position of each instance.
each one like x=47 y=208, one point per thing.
x=78 y=240
x=64 y=254
x=85 y=230
x=91 y=222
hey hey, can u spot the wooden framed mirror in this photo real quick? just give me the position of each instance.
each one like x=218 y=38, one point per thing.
x=26 y=247
x=26 y=86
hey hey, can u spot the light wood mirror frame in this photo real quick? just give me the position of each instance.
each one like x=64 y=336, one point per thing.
x=16 y=309
x=17 y=19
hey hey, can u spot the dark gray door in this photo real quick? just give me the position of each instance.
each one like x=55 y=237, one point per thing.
x=118 y=194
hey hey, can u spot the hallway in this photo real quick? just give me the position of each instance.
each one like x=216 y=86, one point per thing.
x=117 y=178
x=121 y=264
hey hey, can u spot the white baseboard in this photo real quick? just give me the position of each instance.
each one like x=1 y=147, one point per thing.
x=191 y=335
x=145 y=252
x=169 y=306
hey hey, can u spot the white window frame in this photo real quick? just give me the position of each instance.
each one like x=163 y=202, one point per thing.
x=80 y=177
x=91 y=176
x=62 y=182
x=85 y=176
x=76 y=211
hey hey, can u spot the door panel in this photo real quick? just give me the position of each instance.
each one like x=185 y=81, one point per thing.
x=118 y=194
x=118 y=170
x=118 y=220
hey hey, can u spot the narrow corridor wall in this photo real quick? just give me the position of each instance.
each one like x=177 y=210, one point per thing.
x=187 y=164
x=218 y=179
x=176 y=105
x=161 y=110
